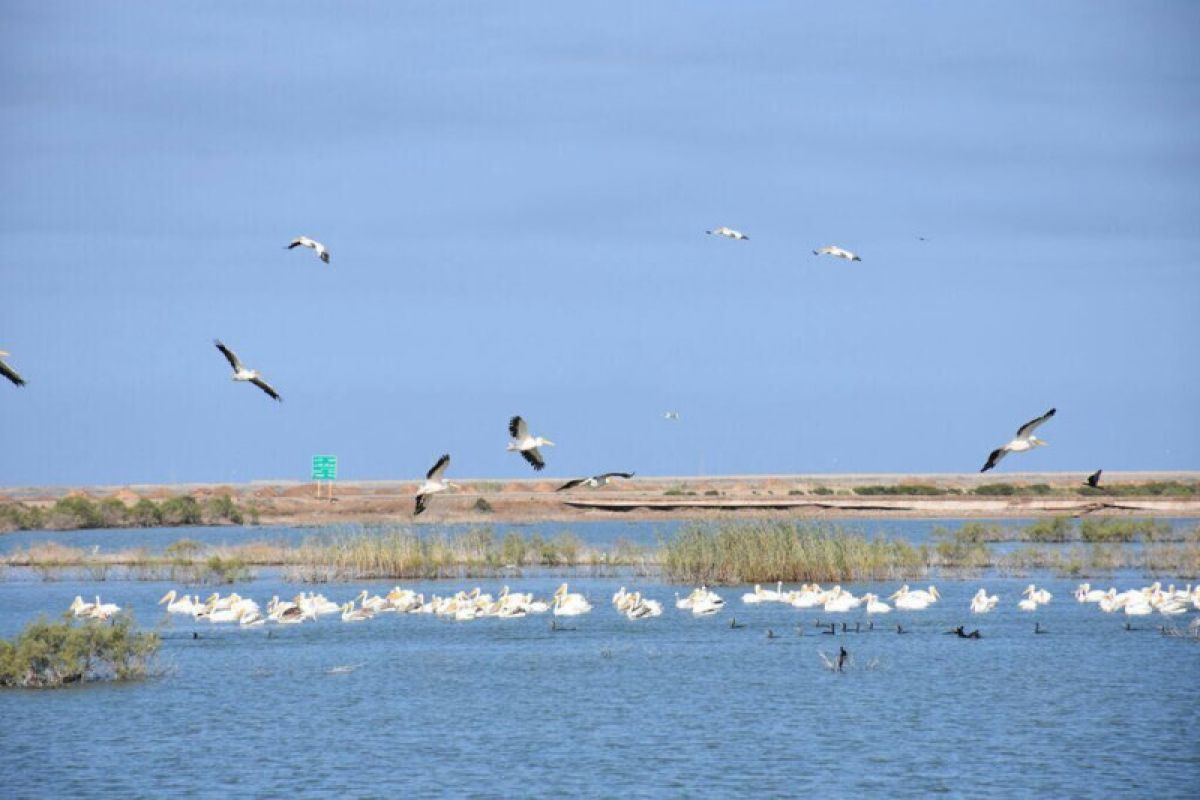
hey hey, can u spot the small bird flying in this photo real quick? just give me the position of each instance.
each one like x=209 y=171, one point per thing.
x=671 y=415
x=595 y=481
x=837 y=252
x=240 y=373
x=317 y=247
x=9 y=372
x=434 y=483
x=729 y=233
x=1093 y=480
x=525 y=444
x=1024 y=440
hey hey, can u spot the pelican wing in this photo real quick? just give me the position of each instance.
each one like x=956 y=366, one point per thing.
x=422 y=501
x=1032 y=425
x=994 y=458
x=437 y=470
x=614 y=475
x=534 y=458
x=298 y=242
x=11 y=374
x=266 y=387
x=230 y=356
x=323 y=253
x=517 y=428
x=570 y=484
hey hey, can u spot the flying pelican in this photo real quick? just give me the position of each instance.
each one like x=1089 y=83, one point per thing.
x=1024 y=440
x=837 y=252
x=729 y=233
x=9 y=372
x=434 y=483
x=671 y=415
x=240 y=373
x=595 y=481
x=525 y=444
x=1093 y=480
x=318 y=248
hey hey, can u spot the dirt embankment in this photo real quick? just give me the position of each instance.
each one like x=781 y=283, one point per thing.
x=798 y=496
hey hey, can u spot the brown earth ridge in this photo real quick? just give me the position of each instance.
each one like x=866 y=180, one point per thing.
x=295 y=503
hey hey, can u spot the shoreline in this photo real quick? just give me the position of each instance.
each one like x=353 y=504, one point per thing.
x=814 y=497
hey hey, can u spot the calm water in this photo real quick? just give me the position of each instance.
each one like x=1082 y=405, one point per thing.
x=664 y=707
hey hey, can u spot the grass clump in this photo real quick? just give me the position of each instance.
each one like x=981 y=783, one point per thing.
x=905 y=489
x=768 y=551
x=48 y=655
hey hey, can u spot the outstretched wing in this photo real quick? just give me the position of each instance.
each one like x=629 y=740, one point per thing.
x=1032 y=425
x=1094 y=479
x=534 y=458
x=437 y=470
x=614 y=475
x=517 y=428
x=230 y=356
x=295 y=243
x=994 y=458
x=421 y=503
x=571 y=484
x=266 y=387
x=11 y=374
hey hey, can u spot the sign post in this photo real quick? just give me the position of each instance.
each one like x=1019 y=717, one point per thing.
x=324 y=468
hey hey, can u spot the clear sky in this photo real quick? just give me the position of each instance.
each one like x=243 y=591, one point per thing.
x=515 y=197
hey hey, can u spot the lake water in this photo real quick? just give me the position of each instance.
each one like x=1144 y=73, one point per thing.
x=666 y=707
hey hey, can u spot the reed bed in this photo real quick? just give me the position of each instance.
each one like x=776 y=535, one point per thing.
x=768 y=551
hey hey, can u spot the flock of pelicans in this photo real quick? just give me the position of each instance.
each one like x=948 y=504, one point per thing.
x=529 y=446
x=702 y=601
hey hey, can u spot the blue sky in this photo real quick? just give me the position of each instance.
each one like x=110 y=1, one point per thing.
x=515 y=197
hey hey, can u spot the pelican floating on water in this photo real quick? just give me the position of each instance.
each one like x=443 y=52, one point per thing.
x=434 y=483
x=317 y=247
x=525 y=444
x=1024 y=440
x=240 y=373
x=836 y=252
x=9 y=372
x=595 y=481
x=729 y=233
x=981 y=603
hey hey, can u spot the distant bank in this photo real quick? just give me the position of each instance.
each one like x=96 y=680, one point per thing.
x=1175 y=494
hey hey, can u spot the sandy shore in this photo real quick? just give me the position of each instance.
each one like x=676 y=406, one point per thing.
x=653 y=498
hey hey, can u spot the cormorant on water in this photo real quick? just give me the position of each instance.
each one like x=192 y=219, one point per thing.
x=843 y=656
x=832 y=629
x=733 y=623
x=964 y=635
x=1037 y=628
x=771 y=634
x=844 y=628
x=555 y=627
x=900 y=629
x=195 y=635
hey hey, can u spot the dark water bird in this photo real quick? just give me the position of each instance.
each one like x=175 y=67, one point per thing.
x=1024 y=440
x=733 y=623
x=964 y=635
x=195 y=635
x=900 y=629
x=845 y=629
x=870 y=626
x=240 y=373
x=595 y=481
x=1093 y=480
x=832 y=629
x=434 y=483
x=556 y=628
x=771 y=634
x=317 y=247
x=1129 y=626
x=843 y=657
x=1037 y=628
x=9 y=372
x=525 y=444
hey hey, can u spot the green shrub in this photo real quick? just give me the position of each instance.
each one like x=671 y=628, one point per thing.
x=146 y=514
x=70 y=513
x=52 y=654
x=995 y=490
x=1058 y=529
x=182 y=510
x=822 y=490
x=483 y=506
x=222 y=509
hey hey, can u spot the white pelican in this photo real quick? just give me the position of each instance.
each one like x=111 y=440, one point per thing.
x=569 y=604
x=875 y=605
x=317 y=247
x=1024 y=440
x=525 y=444
x=80 y=608
x=729 y=233
x=9 y=372
x=182 y=605
x=374 y=604
x=914 y=600
x=434 y=483
x=248 y=617
x=761 y=595
x=981 y=603
x=603 y=479
x=103 y=610
x=840 y=600
x=352 y=614
x=240 y=373
x=836 y=252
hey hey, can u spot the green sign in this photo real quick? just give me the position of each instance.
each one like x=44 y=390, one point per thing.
x=324 y=468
